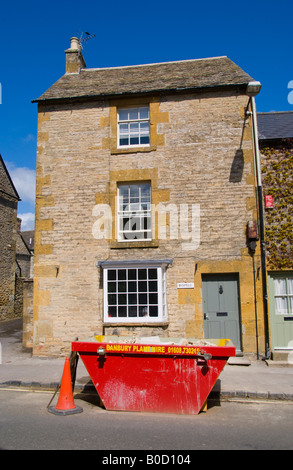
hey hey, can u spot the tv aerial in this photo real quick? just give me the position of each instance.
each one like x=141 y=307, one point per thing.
x=83 y=40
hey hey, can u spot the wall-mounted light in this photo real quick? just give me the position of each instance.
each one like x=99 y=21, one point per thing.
x=253 y=88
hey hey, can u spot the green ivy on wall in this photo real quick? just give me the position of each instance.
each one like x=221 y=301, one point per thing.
x=277 y=178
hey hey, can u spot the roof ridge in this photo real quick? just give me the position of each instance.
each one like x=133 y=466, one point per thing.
x=152 y=64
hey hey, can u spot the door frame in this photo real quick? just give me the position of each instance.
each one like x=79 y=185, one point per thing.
x=272 y=275
x=237 y=279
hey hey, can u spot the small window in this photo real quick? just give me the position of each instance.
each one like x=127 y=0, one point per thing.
x=284 y=295
x=135 y=294
x=133 y=127
x=134 y=212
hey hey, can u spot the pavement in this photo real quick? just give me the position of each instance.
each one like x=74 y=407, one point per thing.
x=254 y=379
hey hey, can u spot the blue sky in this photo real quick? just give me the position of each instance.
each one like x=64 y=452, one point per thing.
x=34 y=34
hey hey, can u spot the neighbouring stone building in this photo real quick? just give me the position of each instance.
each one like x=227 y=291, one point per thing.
x=276 y=146
x=8 y=240
x=15 y=252
x=145 y=192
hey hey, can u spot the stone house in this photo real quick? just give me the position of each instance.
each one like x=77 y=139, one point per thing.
x=15 y=252
x=28 y=237
x=8 y=240
x=144 y=205
x=276 y=147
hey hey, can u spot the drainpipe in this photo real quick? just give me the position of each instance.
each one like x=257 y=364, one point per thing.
x=252 y=89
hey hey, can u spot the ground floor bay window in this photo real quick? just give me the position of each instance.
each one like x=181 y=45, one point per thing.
x=134 y=291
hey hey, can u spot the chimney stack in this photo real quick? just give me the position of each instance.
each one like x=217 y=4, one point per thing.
x=74 y=57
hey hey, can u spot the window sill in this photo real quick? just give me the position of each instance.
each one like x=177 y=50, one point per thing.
x=135 y=244
x=126 y=150
x=116 y=324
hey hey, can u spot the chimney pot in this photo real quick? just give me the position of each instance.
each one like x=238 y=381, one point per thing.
x=74 y=43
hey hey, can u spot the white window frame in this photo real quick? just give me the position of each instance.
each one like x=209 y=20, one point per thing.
x=135 y=210
x=133 y=127
x=145 y=309
x=284 y=298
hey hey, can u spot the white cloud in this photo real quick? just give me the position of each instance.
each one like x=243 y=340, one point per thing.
x=24 y=179
x=27 y=221
x=29 y=138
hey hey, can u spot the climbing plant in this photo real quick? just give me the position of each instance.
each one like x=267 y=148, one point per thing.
x=277 y=178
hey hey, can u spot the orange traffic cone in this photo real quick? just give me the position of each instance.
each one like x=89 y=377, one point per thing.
x=65 y=404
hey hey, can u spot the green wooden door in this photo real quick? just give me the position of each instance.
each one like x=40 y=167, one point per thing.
x=221 y=307
x=281 y=309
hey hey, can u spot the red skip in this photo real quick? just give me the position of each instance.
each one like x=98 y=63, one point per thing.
x=153 y=377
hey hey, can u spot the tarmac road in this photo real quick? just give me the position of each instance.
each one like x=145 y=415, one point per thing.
x=25 y=424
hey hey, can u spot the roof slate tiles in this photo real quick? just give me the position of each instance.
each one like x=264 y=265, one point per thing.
x=177 y=76
x=275 y=125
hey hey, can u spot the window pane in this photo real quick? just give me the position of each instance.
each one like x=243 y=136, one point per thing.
x=131 y=274
x=123 y=141
x=122 y=274
x=124 y=129
x=143 y=311
x=123 y=191
x=125 y=223
x=112 y=312
x=121 y=286
x=112 y=299
x=123 y=114
x=144 y=140
x=144 y=127
x=280 y=286
x=134 y=191
x=153 y=311
x=111 y=286
x=133 y=224
x=134 y=128
x=142 y=298
x=152 y=274
x=142 y=274
x=111 y=274
x=132 y=311
x=142 y=286
x=145 y=190
x=281 y=305
x=133 y=114
x=134 y=140
x=122 y=311
x=132 y=299
x=153 y=298
x=134 y=206
x=145 y=206
x=153 y=286
x=139 y=236
x=144 y=113
x=122 y=299
x=132 y=286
